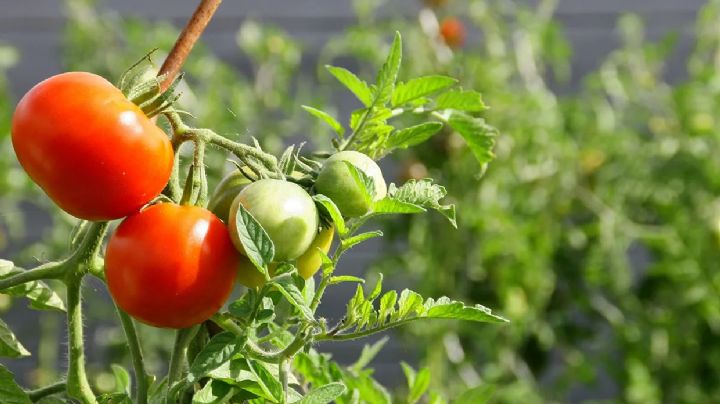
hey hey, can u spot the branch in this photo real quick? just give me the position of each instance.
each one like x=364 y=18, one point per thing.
x=37 y=394
x=184 y=44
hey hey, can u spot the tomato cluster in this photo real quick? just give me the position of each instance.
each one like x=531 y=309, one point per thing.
x=99 y=157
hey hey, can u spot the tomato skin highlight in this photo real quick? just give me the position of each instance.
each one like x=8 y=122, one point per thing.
x=452 y=31
x=336 y=182
x=286 y=212
x=94 y=153
x=171 y=266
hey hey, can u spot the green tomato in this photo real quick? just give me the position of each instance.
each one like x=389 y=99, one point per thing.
x=309 y=263
x=336 y=182
x=225 y=194
x=286 y=212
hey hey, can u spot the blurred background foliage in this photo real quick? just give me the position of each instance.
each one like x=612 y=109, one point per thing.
x=595 y=230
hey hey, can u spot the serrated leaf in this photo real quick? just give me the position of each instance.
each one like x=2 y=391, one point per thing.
x=327 y=118
x=412 y=136
x=479 y=136
x=355 y=240
x=244 y=306
x=266 y=380
x=329 y=206
x=122 y=378
x=220 y=349
x=387 y=76
x=477 y=395
x=420 y=87
x=388 y=205
x=369 y=352
x=461 y=100
x=10 y=392
x=419 y=383
x=10 y=347
x=421 y=193
x=365 y=183
x=352 y=83
x=286 y=285
x=255 y=240
x=325 y=394
x=214 y=392
x=40 y=295
x=378 y=288
x=446 y=308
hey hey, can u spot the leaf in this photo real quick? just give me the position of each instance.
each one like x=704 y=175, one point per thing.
x=412 y=136
x=220 y=349
x=363 y=181
x=114 y=398
x=329 y=206
x=387 y=76
x=479 y=136
x=446 y=308
x=345 y=278
x=352 y=83
x=420 y=193
x=122 y=379
x=327 y=118
x=286 y=285
x=214 y=392
x=355 y=240
x=420 y=87
x=418 y=383
x=369 y=352
x=256 y=242
x=266 y=380
x=477 y=395
x=461 y=100
x=40 y=295
x=10 y=392
x=325 y=394
x=10 y=347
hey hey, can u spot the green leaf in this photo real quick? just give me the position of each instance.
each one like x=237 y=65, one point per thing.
x=363 y=181
x=420 y=87
x=268 y=382
x=479 y=136
x=352 y=83
x=286 y=285
x=378 y=288
x=114 y=398
x=220 y=349
x=214 y=392
x=418 y=383
x=477 y=395
x=10 y=347
x=388 y=206
x=327 y=118
x=329 y=206
x=412 y=136
x=387 y=76
x=40 y=295
x=345 y=278
x=256 y=242
x=122 y=379
x=10 y=392
x=355 y=240
x=446 y=308
x=461 y=100
x=369 y=352
x=419 y=193
x=325 y=394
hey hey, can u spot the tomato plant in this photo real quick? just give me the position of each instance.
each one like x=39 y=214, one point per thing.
x=171 y=266
x=173 y=263
x=63 y=121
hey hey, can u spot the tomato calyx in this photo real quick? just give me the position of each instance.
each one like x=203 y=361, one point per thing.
x=143 y=87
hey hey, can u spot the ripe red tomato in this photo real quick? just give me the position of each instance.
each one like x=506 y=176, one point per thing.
x=452 y=31
x=94 y=152
x=171 y=266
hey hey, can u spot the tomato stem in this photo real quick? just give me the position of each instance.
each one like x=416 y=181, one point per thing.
x=51 y=270
x=49 y=390
x=185 y=42
x=179 y=354
x=141 y=376
x=77 y=383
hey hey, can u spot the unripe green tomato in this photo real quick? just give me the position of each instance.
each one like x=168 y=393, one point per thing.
x=225 y=194
x=286 y=212
x=336 y=182
x=249 y=276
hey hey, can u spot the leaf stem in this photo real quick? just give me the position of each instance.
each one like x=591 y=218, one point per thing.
x=50 y=270
x=141 y=376
x=55 y=388
x=179 y=354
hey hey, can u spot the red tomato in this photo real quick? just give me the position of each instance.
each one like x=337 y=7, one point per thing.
x=89 y=148
x=452 y=32
x=171 y=266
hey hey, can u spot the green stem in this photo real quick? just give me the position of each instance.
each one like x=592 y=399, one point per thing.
x=55 y=388
x=283 y=373
x=363 y=333
x=77 y=383
x=84 y=256
x=141 y=376
x=51 y=270
x=179 y=354
x=200 y=180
